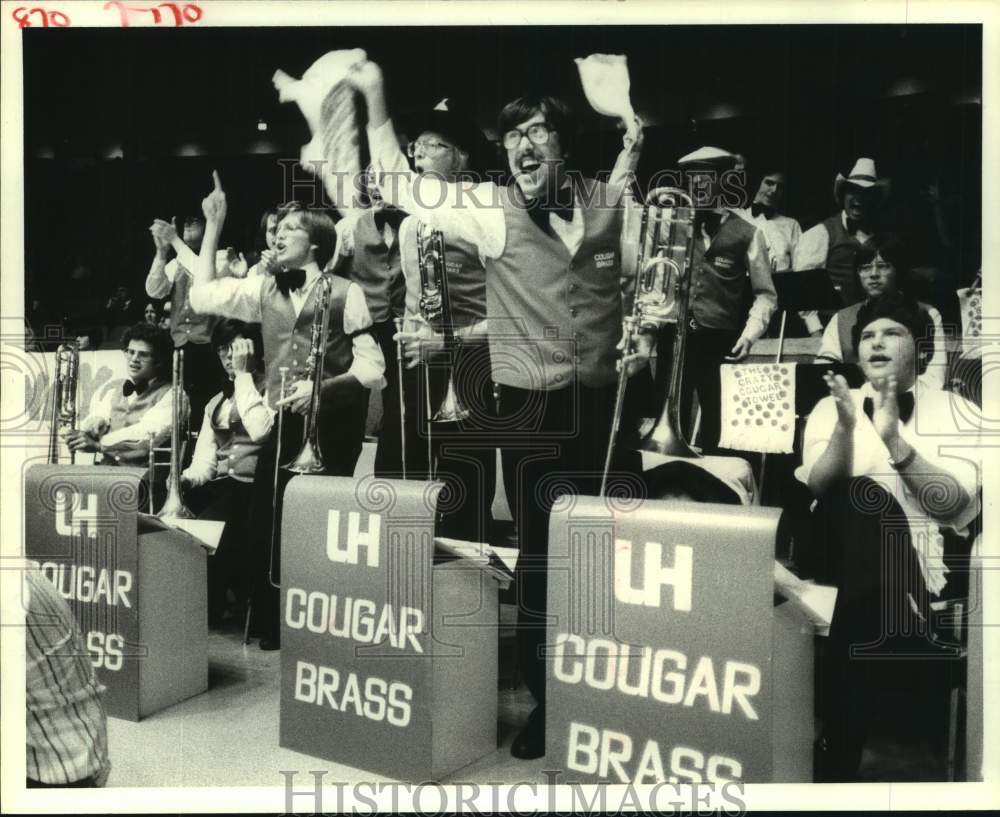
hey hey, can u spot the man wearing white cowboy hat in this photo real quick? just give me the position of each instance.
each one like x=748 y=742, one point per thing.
x=834 y=243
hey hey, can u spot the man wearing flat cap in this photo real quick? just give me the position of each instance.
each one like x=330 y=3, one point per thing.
x=835 y=242
x=730 y=268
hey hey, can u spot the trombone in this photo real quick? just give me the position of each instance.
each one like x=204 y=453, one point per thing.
x=65 y=383
x=173 y=505
x=435 y=308
x=309 y=459
x=662 y=295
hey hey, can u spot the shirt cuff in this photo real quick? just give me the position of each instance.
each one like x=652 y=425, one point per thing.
x=812 y=321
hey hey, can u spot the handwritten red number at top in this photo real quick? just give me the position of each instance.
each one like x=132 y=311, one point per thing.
x=188 y=13
x=54 y=19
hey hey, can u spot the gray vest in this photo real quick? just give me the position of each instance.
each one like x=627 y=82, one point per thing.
x=123 y=414
x=466 y=277
x=842 y=260
x=719 y=281
x=235 y=453
x=555 y=318
x=186 y=325
x=377 y=270
x=287 y=338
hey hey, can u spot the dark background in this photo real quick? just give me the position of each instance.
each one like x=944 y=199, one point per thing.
x=122 y=126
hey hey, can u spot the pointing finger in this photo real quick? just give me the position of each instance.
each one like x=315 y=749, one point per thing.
x=217 y=180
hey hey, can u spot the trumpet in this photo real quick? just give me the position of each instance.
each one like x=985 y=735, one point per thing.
x=435 y=307
x=309 y=459
x=662 y=295
x=173 y=505
x=65 y=382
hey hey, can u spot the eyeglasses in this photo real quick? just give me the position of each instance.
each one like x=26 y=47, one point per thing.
x=429 y=148
x=139 y=354
x=538 y=134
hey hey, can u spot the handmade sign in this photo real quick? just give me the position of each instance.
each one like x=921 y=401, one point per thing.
x=758 y=407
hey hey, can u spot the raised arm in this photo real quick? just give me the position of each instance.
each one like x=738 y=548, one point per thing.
x=230 y=297
x=469 y=211
x=830 y=459
x=158 y=282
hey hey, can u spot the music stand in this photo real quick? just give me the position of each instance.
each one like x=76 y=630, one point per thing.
x=798 y=291
x=807 y=289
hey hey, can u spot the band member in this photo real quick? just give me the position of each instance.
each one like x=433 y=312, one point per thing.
x=122 y=419
x=730 y=265
x=219 y=480
x=448 y=142
x=265 y=264
x=550 y=244
x=835 y=242
x=881 y=273
x=895 y=467
x=190 y=331
x=781 y=232
x=285 y=304
x=374 y=264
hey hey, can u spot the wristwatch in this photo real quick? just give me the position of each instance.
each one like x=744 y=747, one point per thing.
x=902 y=463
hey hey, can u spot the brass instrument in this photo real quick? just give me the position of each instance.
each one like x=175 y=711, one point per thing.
x=662 y=295
x=435 y=307
x=309 y=459
x=173 y=505
x=402 y=402
x=283 y=371
x=65 y=382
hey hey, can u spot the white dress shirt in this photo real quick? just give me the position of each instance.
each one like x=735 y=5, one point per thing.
x=782 y=234
x=240 y=298
x=158 y=420
x=471 y=211
x=256 y=416
x=944 y=431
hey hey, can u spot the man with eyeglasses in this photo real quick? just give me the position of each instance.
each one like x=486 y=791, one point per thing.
x=126 y=413
x=448 y=145
x=550 y=243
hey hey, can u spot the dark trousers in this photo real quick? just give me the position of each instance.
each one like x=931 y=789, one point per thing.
x=550 y=443
x=341 y=431
x=465 y=452
x=388 y=453
x=880 y=647
x=705 y=351
x=226 y=500
x=203 y=379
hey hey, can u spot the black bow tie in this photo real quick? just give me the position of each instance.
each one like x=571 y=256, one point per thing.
x=130 y=388
x=289 y=280
x=757 y=209
x=390 y=216
x=905 y=401
x=227 y=390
